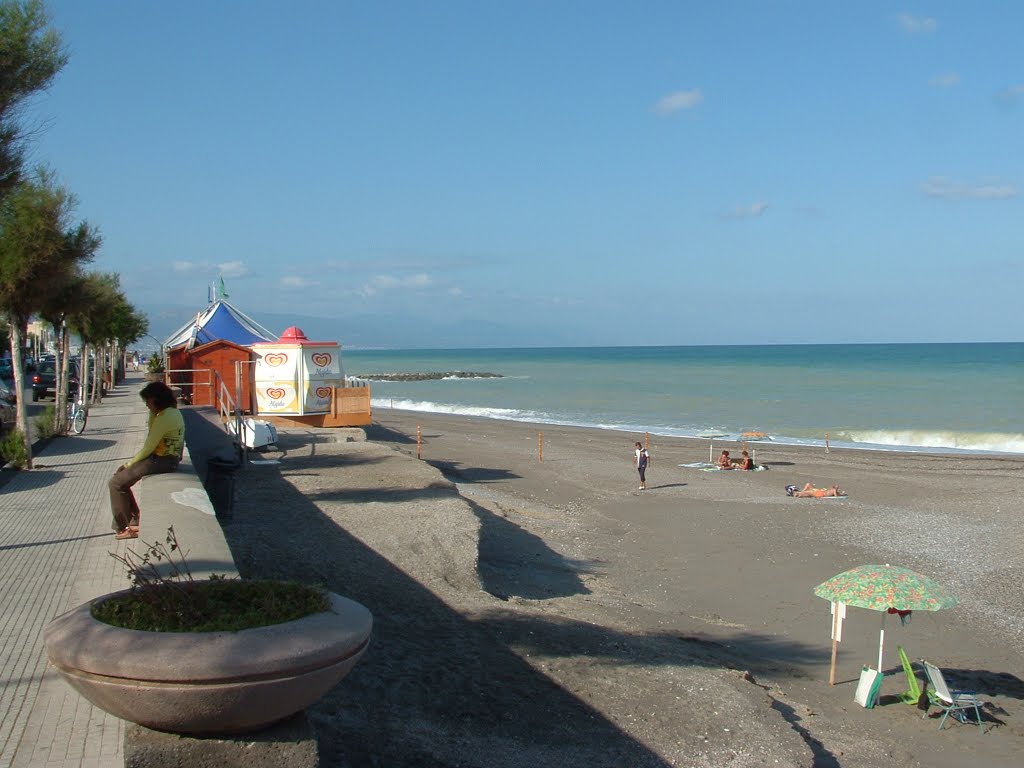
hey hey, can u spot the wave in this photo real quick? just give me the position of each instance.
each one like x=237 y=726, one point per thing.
x=915 y=441
x=425 y=406
x=989 y=442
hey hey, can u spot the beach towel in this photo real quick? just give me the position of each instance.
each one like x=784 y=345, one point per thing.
x=711 y=468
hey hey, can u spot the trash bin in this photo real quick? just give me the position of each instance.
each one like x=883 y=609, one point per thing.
x=220 y=486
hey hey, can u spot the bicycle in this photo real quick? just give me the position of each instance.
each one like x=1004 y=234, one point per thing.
x=76 y=415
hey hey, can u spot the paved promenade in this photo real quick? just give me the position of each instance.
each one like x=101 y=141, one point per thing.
x=55 y=538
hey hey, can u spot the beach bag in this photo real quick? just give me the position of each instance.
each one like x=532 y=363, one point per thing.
x=868 y=687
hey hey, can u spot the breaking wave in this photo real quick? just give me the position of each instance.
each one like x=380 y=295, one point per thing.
x=996 y=442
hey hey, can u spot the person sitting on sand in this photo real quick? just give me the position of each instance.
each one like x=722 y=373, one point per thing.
x=810 y=492
x=724 y=462
x=745 y=463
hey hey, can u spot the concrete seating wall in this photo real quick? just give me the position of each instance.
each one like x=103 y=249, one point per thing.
x=178 y=499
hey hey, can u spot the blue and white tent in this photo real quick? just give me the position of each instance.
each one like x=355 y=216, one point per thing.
x=219 y=321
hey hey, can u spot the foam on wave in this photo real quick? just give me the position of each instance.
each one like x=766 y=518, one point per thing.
x=893 y=440
x=998 y=442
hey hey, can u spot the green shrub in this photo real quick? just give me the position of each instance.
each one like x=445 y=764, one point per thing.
x=172 y=601
x=13 y=449
x=45 y=423
x=155 y=364
x=223 y=605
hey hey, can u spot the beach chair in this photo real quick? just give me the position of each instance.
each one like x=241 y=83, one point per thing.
x=913 y=693
x=955 y=703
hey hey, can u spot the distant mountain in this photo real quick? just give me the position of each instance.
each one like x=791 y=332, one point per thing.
x=387 y=331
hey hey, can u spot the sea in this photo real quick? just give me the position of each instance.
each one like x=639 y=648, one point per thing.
x=942 y=398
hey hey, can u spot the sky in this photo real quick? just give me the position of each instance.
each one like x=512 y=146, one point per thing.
x=451 y=173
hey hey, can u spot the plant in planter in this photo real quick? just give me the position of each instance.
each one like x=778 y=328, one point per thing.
x=155 y=368
x=216 y=656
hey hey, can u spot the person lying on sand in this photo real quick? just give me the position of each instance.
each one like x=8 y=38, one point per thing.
x=810 y=492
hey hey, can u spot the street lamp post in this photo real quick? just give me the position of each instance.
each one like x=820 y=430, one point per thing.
x=159 y=344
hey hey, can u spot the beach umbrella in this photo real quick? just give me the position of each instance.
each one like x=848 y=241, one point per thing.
x=885 y=588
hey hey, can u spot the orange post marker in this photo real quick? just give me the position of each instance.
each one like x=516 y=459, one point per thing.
x=540 y=447
x=419 y=442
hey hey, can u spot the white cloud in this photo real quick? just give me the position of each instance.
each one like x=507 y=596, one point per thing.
x=419 y=281
x=749 y=211
x=293 y=281
x=232 y=269
x=226 y=269
x=455 y=291
x=1008 y=98
x=679 y=100
x=915 y=24
x=389 y=282
x=947 y=80
x=947 y=189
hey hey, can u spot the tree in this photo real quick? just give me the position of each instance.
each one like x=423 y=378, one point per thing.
x=38 y=253
x=94 y=320
x=31 y=55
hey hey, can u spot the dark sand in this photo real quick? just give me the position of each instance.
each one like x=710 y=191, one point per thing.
x=549 y=613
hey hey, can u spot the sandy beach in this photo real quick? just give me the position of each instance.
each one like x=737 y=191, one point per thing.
x=548 y=612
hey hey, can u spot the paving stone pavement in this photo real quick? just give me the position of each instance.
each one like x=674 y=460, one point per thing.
x=55 y=537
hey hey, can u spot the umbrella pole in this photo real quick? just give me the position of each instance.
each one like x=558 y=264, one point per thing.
x=835 y=644
x=881 y=640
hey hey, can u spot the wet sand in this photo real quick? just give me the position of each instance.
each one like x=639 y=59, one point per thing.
x=675 y=625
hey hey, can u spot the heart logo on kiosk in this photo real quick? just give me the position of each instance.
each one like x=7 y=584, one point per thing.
x=323 y=391
x=276 y=393
x=321 y=359
x=275 y=359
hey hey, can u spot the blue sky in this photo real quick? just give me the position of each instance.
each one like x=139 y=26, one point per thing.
x=453 y=173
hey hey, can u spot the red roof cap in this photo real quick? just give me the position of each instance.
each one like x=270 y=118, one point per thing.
x=294 y=333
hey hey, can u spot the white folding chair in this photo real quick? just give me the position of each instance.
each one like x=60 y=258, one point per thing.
x=956 y=703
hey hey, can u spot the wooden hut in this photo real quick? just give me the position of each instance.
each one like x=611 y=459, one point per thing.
x=212 y=351
x=216 y=363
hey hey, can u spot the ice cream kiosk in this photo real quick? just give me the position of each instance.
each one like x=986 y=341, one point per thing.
x=298 y=381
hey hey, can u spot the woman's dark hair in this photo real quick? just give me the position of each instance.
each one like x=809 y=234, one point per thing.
x=160 y=394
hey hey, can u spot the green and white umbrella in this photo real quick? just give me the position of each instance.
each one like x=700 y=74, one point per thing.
x=881 y=588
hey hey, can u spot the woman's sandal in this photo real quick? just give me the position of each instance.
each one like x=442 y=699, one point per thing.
x=127 y=533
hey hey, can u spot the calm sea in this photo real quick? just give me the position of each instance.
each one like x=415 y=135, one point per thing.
x=918 y=397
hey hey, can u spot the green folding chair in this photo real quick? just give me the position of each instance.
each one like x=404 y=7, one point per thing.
x=913 y=693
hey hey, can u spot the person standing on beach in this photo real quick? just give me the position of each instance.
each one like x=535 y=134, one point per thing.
x=643 y=458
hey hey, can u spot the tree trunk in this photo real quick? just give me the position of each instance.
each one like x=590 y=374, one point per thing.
x=60 y=399
x=14 y=329
x=83 y=385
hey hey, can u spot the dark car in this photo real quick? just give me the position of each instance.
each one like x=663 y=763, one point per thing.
x=7 y=412
x=44 y=380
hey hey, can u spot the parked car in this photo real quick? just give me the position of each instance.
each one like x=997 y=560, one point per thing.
x=44 y=380
x=7 y=408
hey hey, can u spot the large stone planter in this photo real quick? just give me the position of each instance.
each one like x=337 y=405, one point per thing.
x=208 y=682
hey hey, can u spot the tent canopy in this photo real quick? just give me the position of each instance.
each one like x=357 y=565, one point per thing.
x=219 y=321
